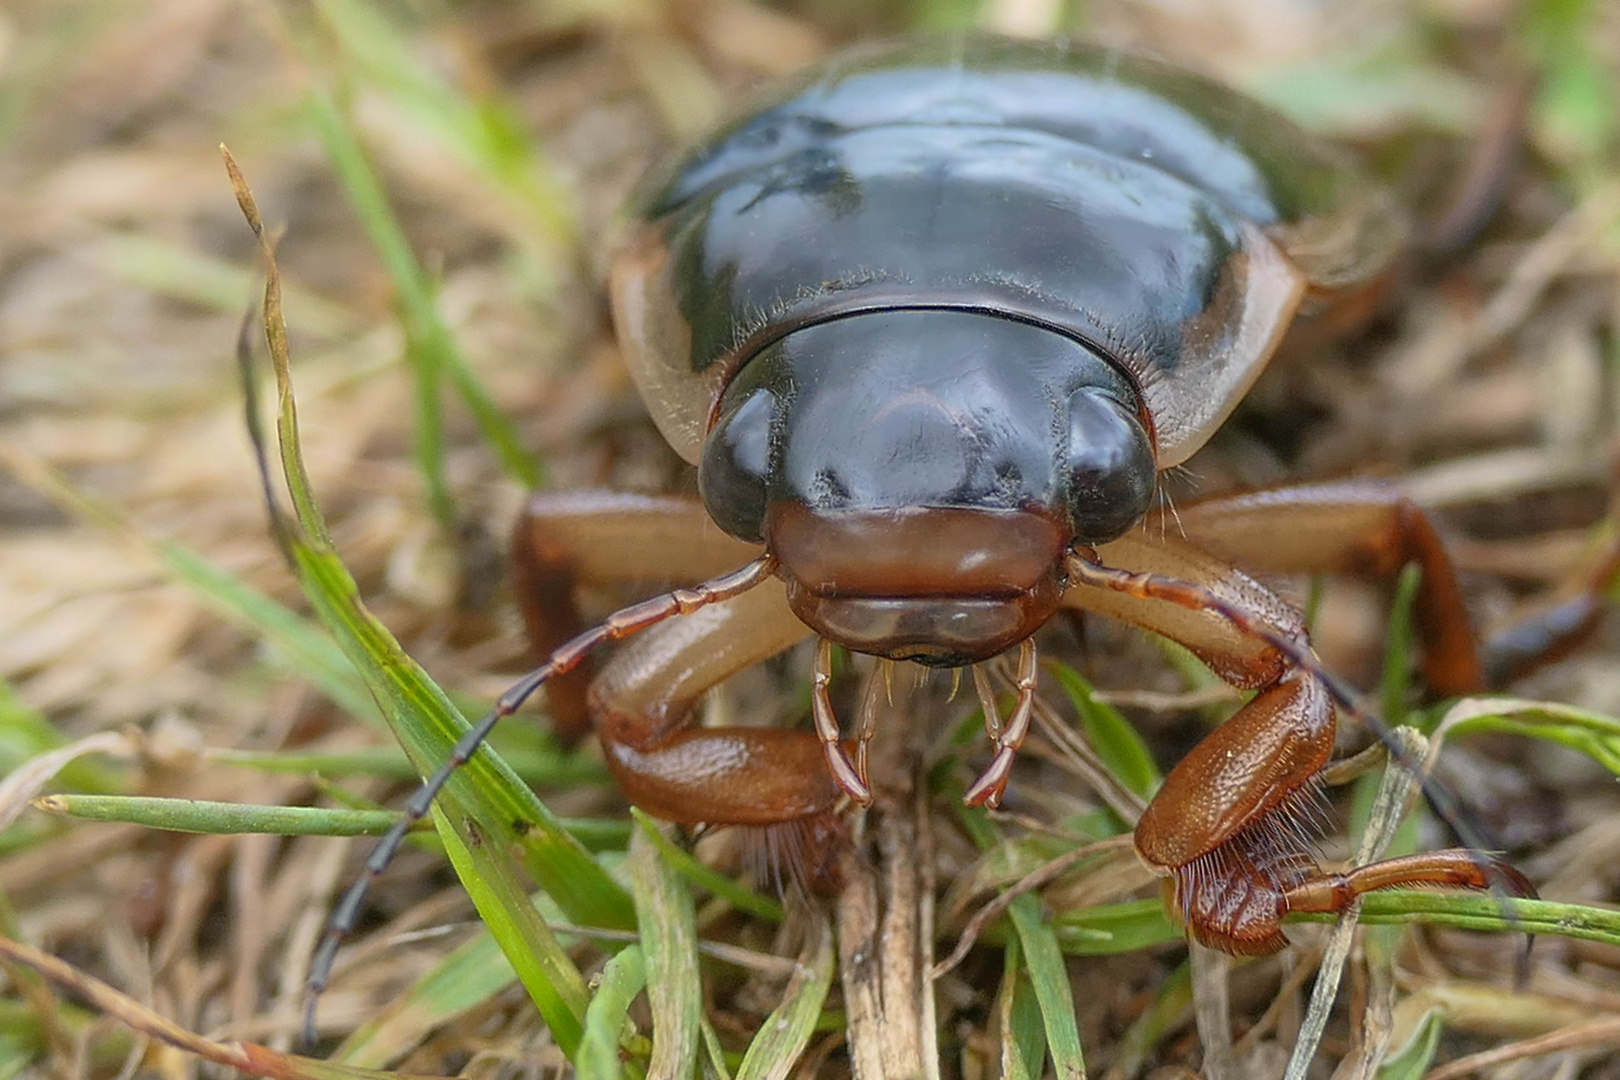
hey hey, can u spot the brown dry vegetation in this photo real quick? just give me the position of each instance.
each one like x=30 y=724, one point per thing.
x=124 y=269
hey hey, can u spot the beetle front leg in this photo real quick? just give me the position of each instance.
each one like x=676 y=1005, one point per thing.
x=569 y=538
x=1234 y=822
x=760 y=777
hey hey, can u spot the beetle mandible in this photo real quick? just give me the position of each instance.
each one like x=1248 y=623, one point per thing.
x=930 y=322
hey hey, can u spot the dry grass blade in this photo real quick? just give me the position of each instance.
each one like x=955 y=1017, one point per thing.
x=249 y=1058
x=1394 y=792
x=1035 y=879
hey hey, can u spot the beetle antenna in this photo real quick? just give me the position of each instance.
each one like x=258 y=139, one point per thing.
x=621 y=624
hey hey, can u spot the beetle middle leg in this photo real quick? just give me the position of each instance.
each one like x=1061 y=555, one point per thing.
x=1232 y=824
x=1370 y=528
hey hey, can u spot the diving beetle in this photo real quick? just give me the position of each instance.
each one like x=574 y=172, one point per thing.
x=930 y=321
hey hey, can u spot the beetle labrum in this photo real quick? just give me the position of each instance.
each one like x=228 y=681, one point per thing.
x=930 y=321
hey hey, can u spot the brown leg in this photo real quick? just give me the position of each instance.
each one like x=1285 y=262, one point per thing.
x=1233 y=823
x=1368 y=527
x=643 y=698
x=1360 y=527
x=569 y=538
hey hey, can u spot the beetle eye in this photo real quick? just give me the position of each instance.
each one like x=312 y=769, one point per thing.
x=735 y=466
x=1111 y=468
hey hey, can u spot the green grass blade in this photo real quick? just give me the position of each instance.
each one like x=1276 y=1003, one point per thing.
x=1050 y=979
x=1396 y=684
x=432 y=349
x=484 y=810
x=785 y=1033
x=218 y=818
x=553 y=983
x=474 y=127
x=605 y=1021
x=683 y=863
x=669 y=943
x=25 y=734
x=1018 y=1015
x=1042 y=956
x=1592 y=733
x=1411 y=1061
x=1113 y=737
x=184 y=273
x=1110 y=929
x=428 y=726
x=472 y=974
x=1490 y=914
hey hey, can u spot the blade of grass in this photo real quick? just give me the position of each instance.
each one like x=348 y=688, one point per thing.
x=714 y=1055
x=472 y=124
x=420 y=715
x=1397 y=681
x=1592 y=733
x=1023 y=1039
x=1043 y=958
x=184 y=273
x=428 y=727
x=783 y=1036
x=1110 y=929
x=471 y=974
x=1411 y=1061
x=468 y=977
x=731 y=892
x=553 y=983
x=486 y=808
x=25 y=734
x=605 y=1022
x=1113 y=737
x=218 y=818
x=431 y=348
x=669 y=942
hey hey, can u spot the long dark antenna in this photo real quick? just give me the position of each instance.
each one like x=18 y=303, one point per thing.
x=621 y=624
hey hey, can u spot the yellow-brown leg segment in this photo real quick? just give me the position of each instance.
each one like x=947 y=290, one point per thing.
x=569 y=538
x=1232 y=826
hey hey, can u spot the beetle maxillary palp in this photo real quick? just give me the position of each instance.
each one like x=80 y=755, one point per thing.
x=842 y=768
x=992 y=783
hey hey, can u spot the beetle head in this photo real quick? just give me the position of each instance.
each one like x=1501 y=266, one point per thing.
x=919 y=475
